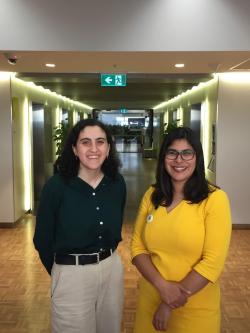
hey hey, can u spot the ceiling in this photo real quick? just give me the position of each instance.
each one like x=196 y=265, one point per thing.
x=151 y=76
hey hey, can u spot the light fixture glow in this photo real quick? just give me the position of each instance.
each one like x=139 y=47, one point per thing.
x=50 y=65
x=179 y=65
x=6 y=75
x=184 y=93
x=205 y=121
x=235 y=76
x=27 y=155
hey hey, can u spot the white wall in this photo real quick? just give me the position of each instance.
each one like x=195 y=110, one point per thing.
x=6 y=160
x=119 y=25
x=233 y=143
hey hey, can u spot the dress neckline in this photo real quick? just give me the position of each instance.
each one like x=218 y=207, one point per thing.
x=175 y=207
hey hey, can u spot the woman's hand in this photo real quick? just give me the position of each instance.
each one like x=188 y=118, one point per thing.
x=173 y=294
x=161 y=317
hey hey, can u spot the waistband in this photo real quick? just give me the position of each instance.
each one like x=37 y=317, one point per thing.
x=82 y=259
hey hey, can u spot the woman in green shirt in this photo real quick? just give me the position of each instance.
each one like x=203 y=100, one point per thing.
x=78 y=228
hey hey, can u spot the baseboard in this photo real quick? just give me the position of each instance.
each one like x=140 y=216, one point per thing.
x=13 y=224
x=9 y=225
x=241 y=226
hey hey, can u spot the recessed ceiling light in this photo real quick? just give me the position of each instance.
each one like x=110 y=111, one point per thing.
x=179 y=65
x=50 y=65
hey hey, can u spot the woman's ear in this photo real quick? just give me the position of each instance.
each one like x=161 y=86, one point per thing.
x=74 y=150
x=108 y=151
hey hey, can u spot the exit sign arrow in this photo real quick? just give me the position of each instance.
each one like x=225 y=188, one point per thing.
x=113 y=80
x=108 y=80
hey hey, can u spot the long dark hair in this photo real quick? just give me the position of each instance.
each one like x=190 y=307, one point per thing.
x=67 y=165
x=196 y=188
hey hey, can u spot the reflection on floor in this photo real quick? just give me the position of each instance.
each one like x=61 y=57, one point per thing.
x=139 y=174
x=24 y=284
x=128 y=147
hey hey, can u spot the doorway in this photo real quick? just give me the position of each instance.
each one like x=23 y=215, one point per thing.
x=130 y=129
x=195 y=118
x=38 y=152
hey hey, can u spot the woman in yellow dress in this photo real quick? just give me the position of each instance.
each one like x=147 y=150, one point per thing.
x=180 y=242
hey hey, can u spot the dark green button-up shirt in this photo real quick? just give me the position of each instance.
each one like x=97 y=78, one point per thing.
x=75 y=218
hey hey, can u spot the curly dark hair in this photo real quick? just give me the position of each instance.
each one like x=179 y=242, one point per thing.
x=196 y=188
x=67 y=165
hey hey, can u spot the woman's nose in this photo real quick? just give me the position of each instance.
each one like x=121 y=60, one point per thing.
x=93 y=147
x=179 y=158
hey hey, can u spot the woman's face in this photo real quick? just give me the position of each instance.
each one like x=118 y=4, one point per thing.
x=91 y=148
x=180 y=169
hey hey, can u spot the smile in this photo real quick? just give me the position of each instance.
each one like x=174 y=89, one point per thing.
x=179 y=169
x=93 y=156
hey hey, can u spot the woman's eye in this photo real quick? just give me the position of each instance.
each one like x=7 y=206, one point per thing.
x=100 y=142
x=171 y=152
x=187 y=152
x=85 y=143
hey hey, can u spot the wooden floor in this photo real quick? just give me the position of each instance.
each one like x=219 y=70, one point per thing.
x=235 y=284
x=25 y=285
x=25 y=294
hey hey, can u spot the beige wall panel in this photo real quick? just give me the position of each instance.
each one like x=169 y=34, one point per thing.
x=6 y=165
x=233 y=149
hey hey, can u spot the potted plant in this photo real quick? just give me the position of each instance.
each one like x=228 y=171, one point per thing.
x=168 y=127
x=60 y=135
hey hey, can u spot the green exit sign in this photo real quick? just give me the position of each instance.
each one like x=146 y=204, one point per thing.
x=123 y=110
x=113 y=80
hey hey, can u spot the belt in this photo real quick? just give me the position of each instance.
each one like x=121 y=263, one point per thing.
x=82 y=259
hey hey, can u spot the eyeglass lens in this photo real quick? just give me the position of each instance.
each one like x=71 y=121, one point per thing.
x=186 y=154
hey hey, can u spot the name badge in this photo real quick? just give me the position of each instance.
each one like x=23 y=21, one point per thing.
x=150 y=218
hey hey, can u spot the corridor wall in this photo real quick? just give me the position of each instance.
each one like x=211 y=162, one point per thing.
x=233 y=139
x=225 y=123
x=6 y=163
x=16 y=171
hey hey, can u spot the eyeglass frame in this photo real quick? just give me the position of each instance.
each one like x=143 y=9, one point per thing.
x=179 y=153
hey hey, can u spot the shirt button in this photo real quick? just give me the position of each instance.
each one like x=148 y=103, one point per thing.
x=101 y=222
x=93 y=193
x=100 y=237
x=97 y=208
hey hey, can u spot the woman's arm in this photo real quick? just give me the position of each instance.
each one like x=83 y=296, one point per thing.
x=194 y=282
x=217 y=237
x=45 y=222
x=161 y=317
x=170 y=292
x=216 y=242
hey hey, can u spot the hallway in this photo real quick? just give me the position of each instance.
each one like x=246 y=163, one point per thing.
x=139 y=174
x=24 y=284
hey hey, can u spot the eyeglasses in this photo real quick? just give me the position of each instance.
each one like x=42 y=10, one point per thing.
x=185 y=154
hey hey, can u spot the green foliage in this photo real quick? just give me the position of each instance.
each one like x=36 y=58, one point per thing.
x=60 y=134
x=168 y=127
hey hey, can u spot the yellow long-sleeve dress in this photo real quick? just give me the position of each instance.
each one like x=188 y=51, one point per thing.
x=191 y=236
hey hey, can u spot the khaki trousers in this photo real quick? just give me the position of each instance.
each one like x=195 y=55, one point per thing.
x=87 y=298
